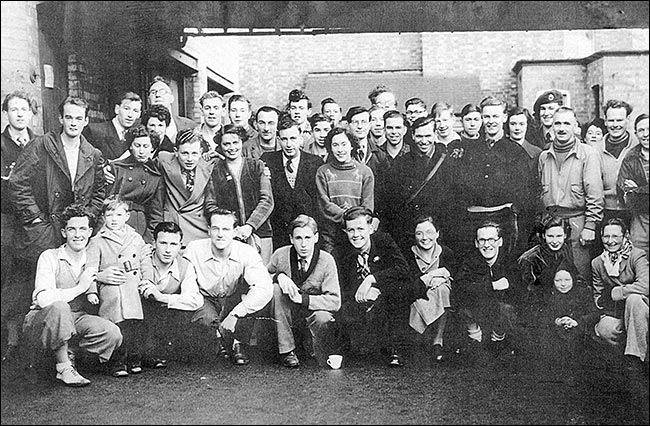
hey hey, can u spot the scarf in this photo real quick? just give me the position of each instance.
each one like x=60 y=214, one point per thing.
x=421 y=258
x=612 y=260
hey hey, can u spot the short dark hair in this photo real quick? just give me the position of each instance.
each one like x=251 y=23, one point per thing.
x=357 y=212
x=468 y=108
x=549 y=221
x=218 y=211
x=596 y=122
x=238 y=98
x=425 y=218
x=328 y=101
x=73 y=100
x=376 y=91
x=337 y=131
x=140 y=131
x=439 y=107
x=156 y=111
x=286 y=122
x=188 y=136
x=415 y=101
x=231 y=129
x=130 y=96
x=489 y=224
x=615 y=103
x=318 y=118
x=615 y=221
x=77 y=210
x=20 y=94
x=297 y=95
x=393 y=113
x=169 y=227
x=641 y=117
x=158 y=79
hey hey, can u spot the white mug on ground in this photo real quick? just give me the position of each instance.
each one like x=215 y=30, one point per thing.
x=334 y=361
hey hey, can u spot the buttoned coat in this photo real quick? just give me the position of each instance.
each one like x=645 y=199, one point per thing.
x=119 y=302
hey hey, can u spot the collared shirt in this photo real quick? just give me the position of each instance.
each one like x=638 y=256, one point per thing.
x=72 y=157
x=21 y=138
x=121 y=130
x=56 y=276
x=219 y=278
x=167 y=278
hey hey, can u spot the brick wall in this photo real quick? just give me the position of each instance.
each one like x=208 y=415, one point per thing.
x=87 y=83
x=626 y=78
x=270 y=66
x=19 y=52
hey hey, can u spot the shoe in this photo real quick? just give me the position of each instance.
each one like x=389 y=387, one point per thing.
x=10 y=353
x=135 y=367
x=222 y=352
x=70 y=377
x=116 y=369
x=290 y=360
x=395 y=360
x=154 y=362
x=437 y=353
x=238 y=355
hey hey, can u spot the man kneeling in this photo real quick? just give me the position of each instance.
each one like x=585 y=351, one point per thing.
x=57 y=313
x=306 y=288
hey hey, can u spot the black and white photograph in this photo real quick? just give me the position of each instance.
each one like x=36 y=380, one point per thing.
x=325 y=212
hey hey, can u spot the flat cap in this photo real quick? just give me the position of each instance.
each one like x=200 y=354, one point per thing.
x=547 y=97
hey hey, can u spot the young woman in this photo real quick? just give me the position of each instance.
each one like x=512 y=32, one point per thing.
x=431 y=266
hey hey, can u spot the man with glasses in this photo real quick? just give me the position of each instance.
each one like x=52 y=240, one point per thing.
x=161 y=94
x=485 y=291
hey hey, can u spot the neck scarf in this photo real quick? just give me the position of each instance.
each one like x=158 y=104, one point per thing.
x=612 y=260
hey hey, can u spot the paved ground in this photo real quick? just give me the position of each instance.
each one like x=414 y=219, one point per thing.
x=519 y=390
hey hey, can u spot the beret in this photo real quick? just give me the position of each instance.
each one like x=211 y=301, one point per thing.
x=546 y=98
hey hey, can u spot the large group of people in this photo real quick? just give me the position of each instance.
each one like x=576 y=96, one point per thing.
x=354 y=233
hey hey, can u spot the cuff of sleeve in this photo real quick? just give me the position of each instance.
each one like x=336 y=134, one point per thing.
x=305 y=300
x=238 y=311
x=617 y=293
x=590 y=225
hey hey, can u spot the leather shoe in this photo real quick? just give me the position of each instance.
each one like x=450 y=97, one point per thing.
x=437 y=353
x=238 y=355
x=154 y=362
x=290 y=360
x=395 y=361
x=222 y=352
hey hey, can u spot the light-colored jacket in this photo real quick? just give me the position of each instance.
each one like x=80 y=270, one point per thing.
x=575 y=185
x=611 y=166
x=119 y=302
x=179 y=205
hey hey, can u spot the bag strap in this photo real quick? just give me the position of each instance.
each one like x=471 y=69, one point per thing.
x=429 y=176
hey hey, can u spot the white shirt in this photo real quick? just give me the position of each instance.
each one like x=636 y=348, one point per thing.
x=72 y=157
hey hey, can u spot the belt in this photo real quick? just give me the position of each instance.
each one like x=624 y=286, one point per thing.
x=486 y=209
x=564 y=212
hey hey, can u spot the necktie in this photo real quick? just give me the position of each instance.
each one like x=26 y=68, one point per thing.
x=303 y=265
x=22 y=141
x=189 y=179
x=549 y=139
x=363 y=270
x=289 y=168
x=362 y=155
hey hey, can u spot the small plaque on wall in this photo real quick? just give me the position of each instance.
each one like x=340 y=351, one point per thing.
x=48 y=76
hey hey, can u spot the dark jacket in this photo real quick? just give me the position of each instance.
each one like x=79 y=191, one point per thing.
x=10 y=152
x=138 y=184
x=473 y=284
x=104 y=137
x=256 y=193
x=40 y=186
x=386 y=262
x=290 y=202
x=632 y=168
